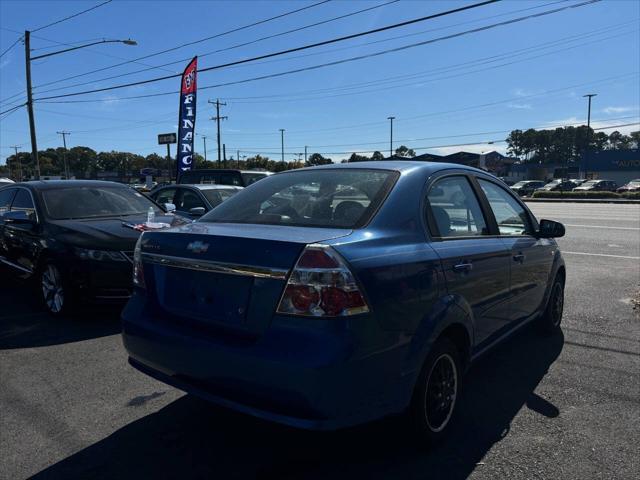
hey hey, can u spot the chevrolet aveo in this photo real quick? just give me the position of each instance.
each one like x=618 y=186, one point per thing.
x=331 y=296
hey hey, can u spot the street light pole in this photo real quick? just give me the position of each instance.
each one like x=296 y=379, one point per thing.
x=305 y=154
x=64 y=152
x=586 y=153
x=391 y=119
x=28 y=59
x=282 y=143
x=204 y=139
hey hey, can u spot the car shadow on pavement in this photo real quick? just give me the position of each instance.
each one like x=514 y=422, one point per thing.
x=24 y=322
x=192 y=439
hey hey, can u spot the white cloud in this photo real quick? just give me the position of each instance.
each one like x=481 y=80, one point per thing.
x=610 y=110
x=520 y=106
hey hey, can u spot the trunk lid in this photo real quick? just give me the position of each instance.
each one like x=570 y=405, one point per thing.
x=223 y=275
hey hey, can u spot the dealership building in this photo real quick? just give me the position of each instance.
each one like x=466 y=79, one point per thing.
x=617 y=165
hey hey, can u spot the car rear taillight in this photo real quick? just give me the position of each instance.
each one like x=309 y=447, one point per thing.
x=138 y=271
x=321 y=285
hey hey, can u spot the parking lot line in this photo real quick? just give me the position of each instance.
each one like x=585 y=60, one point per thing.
x=601 y=255
x=602 y=226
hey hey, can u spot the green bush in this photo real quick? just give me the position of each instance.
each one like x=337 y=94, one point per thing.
x=631 y=195
x=595 y=195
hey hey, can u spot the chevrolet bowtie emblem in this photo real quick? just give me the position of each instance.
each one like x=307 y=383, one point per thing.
x=198 y=247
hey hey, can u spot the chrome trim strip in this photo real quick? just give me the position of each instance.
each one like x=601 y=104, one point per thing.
x=15 y=265
x=215 y=267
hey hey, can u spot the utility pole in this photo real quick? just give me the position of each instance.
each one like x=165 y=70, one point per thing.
x=305 y=154
x=224 y=154
x=15 y=148
x=238 y=158
x=64 y=153
x=391 y=138
x=204 y=139
x=218 y=119
x=32 y=121
x=586 y=153
x=282 y=143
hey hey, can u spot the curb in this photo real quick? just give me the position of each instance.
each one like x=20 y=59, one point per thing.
x=582 y=200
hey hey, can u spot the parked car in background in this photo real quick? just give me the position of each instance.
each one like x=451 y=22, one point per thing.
x=334 y=295
x=578 y=181
x=74 y=237
x=558 y=186
x=507 y=181
x=525 y=188
x=5 y=180
x=192 y=200
x=240 y=178
x=631 y=186
x=597 y=186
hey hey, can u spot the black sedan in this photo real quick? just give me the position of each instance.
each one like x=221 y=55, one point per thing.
x=192 y=201
x=527 y=187
x=75 y=238
x=558 y=186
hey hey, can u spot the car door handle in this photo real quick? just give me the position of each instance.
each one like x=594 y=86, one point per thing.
x=462 y=267
x=518 y=258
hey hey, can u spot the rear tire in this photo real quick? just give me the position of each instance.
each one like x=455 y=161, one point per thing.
x=436 y=393
x=549 y=321
x=55 y=294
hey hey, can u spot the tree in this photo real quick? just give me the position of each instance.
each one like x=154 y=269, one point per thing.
x=358 y=158
x=635 y=139
x=618 y=141
x=377 y=156
x=317 y=159
x=403 y=151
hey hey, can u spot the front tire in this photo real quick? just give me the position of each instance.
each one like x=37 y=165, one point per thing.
x=550 y=320
x=55 y=294
x=436 y=393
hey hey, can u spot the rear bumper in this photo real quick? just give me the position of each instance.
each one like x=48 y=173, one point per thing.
x=314 y=379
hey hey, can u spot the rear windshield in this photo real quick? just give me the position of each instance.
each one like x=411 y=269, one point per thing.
x=212 y=178
x=333 y=198
x=93 y=202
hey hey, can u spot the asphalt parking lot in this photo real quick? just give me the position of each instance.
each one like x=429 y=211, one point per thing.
x=561 y=407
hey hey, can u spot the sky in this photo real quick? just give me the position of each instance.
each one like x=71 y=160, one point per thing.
x=459 y=90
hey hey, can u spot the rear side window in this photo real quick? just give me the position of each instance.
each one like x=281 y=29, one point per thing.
x=24 y=203
x=332 y=198
x=6 y=196
x=510 y=216
x=216 y=197
x=454 y=209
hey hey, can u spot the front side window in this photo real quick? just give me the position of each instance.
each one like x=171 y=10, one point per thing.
x=455 y=209
x=6 y=196
x=189 y=200
x=510 y=215
x=338 y=198
x=24 y=203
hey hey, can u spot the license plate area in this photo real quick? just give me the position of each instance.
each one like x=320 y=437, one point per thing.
x=206 y=296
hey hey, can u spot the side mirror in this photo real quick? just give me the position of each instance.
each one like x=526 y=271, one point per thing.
x=550 y=229
x=19 y=217
x=196 y=211
x=169 y=207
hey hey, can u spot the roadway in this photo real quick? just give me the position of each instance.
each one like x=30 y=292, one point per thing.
x=560 y=407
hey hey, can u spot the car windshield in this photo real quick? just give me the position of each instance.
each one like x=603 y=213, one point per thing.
x=340 y=198
x=523 y=183
x=95 y=201
x=218 y=195
x=590 y=182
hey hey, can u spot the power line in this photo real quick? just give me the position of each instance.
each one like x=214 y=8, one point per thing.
x=71 y=16
x=314 y=67
x=295 y=49
x=233 y=30
x=232 y=47
x=11 y=46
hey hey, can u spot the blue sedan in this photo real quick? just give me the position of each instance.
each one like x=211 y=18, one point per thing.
x=331 y=296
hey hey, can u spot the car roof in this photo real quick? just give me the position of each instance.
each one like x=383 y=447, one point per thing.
x=204 y=186
x=402 y=166
x=54 y=184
